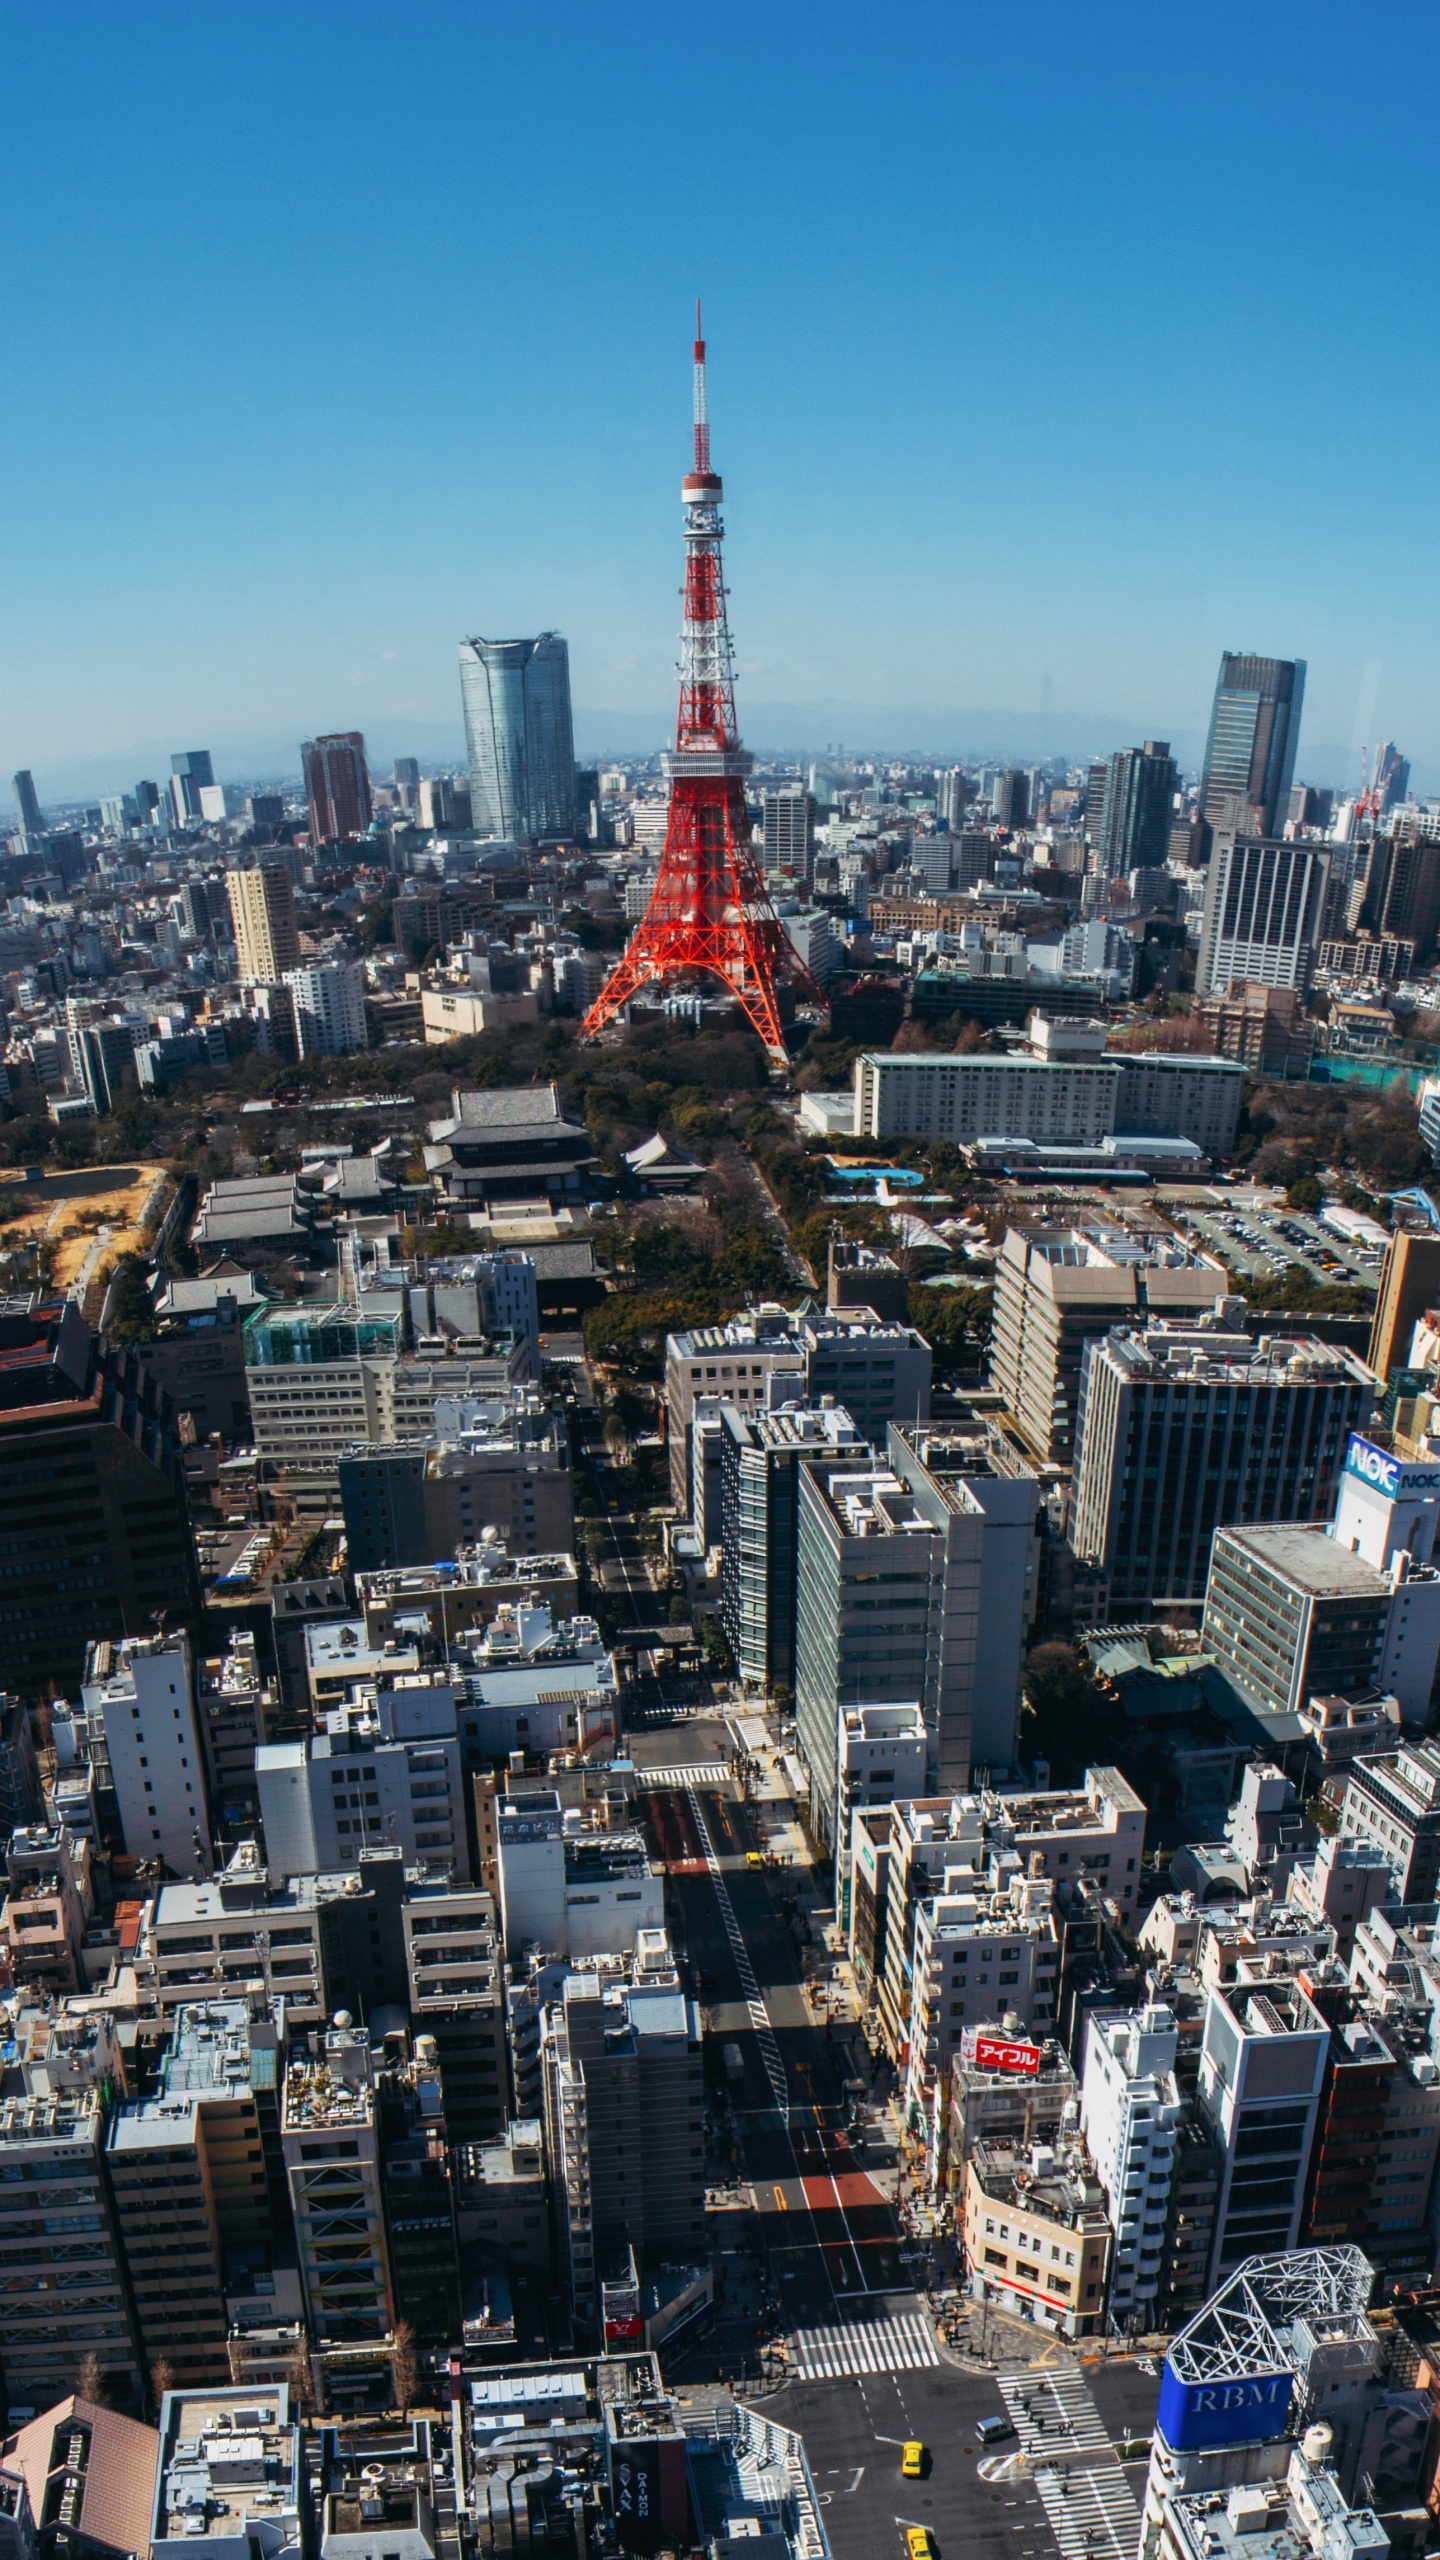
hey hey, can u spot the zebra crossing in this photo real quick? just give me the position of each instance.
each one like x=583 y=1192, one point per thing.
x=694 y=1773
x=1090 y=2507
x=759 y=2017
x=1092 y=2514
x=870 y=2346
x=1053 y=2412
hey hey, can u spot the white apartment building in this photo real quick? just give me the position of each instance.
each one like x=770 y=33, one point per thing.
x=1130 y=2108
x=383 y=1773
x=980 y=1096
x=329 y=1001
x=141 y=1693
x=986 y=1946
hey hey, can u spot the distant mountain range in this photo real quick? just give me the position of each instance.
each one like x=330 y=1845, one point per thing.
x=794 y=730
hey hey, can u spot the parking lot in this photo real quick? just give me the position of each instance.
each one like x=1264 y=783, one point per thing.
x=1267 y=1242
x=856 y=2426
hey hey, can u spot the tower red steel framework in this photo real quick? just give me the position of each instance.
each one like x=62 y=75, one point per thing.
x=710 y=910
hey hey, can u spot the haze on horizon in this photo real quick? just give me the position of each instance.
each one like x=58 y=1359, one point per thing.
x=1048 y=358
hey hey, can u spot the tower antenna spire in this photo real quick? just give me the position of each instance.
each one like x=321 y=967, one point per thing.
x=710 y=913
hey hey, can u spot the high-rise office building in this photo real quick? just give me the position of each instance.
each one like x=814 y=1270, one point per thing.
x=1138 y=809
x=952 y=796
x=1056 y=1289
x=1254 y=731
x=329 y=1001
x=1409 y=1283
x=190 y=774
x=1010 y=798
x=147 y=801
x=1187 y=1428
x=761 y=1455
x=790 y=832
x=1264 y=903
x=1397 y=893
x=1262 y=2068
x=337 y=786
x=94 y=1525
x=407 y=784
x=520 y=737
x=32 y=825
x=262 y=910
x=141 y=1695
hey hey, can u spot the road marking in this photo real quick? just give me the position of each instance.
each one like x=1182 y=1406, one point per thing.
x=781 y=2201
x=870 y=2346
x=855 y=2483
x=749 y=1984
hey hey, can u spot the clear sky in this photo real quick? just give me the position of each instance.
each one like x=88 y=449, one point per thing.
x=1053 y=349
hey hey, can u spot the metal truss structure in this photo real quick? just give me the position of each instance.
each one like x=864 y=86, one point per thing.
x=1244 y=2328
x=710 y=912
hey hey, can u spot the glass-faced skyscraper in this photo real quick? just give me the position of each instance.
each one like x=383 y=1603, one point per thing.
x=1254 y=731
x=519 y=736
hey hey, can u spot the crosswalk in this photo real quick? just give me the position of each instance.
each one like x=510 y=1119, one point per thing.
x=1053 y=2412
x=759 y=2018
x=1092 y=2514
x=695 y=1773
x=869 y=2346
x=1090 y=2505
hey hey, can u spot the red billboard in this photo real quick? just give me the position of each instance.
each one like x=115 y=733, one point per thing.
x=997 y=2053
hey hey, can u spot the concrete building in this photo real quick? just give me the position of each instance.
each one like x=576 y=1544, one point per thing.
x=92 y=1499
x=262 y=912
x=141 y=1695
x=199 y=2202
x=329 y=1001
x=409 y=1502
x=569 y=1891
x=61 y=2262
x=332 y=2166
x=1186 y=1428
x=1064 y=1089
x=760 y=1458
x=875 y=1372
x=457 y=1998
x=1036 y=2236
x=1392 y=1804
x=877 y=1618
x=242 y=2485
x=1056 y=1288
x=519 y=738
x=974 y=1486
x=384 y=1771
x=1293 y=1614
x=1093 y=1834
x=1262 y=2067
x=624 y=2119
x=1409 y=1283
x=986 y=1944
x=455 y=1597
x=1130 y=2113
x=1264 y=905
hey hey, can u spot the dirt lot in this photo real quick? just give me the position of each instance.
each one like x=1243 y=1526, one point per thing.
x=70 y=1208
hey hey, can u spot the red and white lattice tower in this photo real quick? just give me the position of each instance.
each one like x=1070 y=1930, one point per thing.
x=710 y=910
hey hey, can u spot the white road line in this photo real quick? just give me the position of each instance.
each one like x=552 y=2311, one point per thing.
x=899 y=2345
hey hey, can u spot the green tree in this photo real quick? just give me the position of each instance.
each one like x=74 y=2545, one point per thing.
x=132 y=1316
x=1305 y=1193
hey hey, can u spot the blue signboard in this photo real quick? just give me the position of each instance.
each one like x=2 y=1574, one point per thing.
x=1243 y=2410
x=1391 y=1476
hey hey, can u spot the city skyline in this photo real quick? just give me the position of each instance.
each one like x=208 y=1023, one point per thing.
x=1043 y=467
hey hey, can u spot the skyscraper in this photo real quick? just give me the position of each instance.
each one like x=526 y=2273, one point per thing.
x=190 y=774
x=790 y=831
x=1254 y=731
x=262 y=909
x=1263 y=906
x=407 y=784
x=519 y=736
x=337 y=786
x=1137 y=809
x=31 y=823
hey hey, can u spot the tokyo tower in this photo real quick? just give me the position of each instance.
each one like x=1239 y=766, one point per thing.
x=710 y=910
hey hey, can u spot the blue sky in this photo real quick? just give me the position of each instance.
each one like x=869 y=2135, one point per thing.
x=1053 y=350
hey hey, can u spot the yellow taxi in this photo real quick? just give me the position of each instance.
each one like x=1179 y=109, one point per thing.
x=912 y=2461
x=918 y=2544
x=753 y=1858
